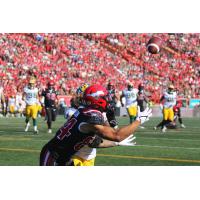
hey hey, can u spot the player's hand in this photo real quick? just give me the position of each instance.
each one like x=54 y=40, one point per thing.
x=144 y=116
x=129 y=141
x=161 y=107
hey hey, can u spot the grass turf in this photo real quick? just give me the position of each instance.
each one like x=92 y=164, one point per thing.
x=174 y=148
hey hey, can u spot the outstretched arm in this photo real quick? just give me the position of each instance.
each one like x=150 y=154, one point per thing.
x=119 y=134
x=103 y=143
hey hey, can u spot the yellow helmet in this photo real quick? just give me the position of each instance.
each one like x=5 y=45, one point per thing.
x=82 y=89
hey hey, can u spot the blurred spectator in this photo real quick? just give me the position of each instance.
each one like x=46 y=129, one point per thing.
x=71 y=59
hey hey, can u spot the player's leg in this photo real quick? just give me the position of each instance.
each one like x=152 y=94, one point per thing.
x=27 y=113
x=141 y=106
x=77 y=161
x=165 y=119
x=12 y=110
x=53 y=118
x=169 y=117
x=54 y=114
x=49 y=118
x=132 y=113
x=34 y=113
x=159 y=125
x=8 y=114
x=38 y=107
x=180 y=118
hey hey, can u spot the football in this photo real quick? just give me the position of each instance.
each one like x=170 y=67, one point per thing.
x=154 y=45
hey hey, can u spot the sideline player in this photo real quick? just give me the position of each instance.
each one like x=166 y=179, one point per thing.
x=12 y=106
x=20 y=104
x=142 y=99
x=130 y=95
x=169 y=101
x=2 y=101
x=83 y=126
x=50 y=104
x=31 y=98
x=110 y=113
x=177 y=113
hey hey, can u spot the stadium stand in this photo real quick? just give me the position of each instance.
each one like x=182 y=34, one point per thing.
x=72 y=59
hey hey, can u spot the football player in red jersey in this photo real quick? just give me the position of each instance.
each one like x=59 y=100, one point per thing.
x=177 y=113
x=110 y=114
x=83 y=126
x=50 y=104
x=2 y=100
x=142 y=99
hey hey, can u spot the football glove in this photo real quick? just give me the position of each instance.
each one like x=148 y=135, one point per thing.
x=144 y=116
x=129 y=141
x=161 y=107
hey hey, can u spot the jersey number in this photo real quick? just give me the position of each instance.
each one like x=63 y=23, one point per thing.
x=31 y=95
x=65 y=130
x=170 y=99
x=86 y=141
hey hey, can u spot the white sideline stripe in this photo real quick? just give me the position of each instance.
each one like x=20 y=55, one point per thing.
x=167 y=147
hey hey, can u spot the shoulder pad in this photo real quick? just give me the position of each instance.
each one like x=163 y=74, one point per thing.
x=93 y=116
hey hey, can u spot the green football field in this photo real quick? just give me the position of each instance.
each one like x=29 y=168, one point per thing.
x=175 y=147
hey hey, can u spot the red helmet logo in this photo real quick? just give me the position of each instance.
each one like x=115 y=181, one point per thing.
x=95 y=96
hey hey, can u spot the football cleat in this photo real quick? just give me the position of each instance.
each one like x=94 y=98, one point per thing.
x=27 y=127
x=36 y=130
x=183 y=126
x=49 y=131
x=164 y=129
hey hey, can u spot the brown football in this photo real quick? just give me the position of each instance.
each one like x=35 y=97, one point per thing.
x=154 y=45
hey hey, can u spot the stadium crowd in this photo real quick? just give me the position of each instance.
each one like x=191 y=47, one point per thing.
x=70 y=60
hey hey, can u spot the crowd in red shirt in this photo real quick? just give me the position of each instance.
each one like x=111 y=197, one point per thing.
x=72 y=59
